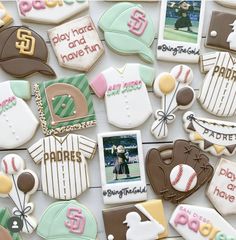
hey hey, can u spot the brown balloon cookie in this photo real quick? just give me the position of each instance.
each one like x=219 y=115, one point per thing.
x=23 y=52
x=177 y=170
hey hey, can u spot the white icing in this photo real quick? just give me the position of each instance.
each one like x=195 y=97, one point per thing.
x=232 y=37
x=213 y=34
x=227 y=3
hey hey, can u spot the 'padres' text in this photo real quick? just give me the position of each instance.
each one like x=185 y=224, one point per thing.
x=63 y=156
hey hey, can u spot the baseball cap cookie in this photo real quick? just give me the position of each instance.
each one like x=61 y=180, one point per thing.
x=67 y=220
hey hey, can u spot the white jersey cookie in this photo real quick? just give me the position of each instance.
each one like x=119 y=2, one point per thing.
x=64 y=169
x=126 y=96
x=17 y=122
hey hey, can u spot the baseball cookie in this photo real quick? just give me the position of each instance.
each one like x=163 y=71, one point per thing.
x=5 y=17
x=176 y=94
x=125 y=94
x=128 y=30
x=67 y=220
x=177 y=171
x=19 y=184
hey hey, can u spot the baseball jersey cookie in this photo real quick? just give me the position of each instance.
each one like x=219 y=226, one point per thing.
x=5 y=17
x=128 y=30
x=218 y=91
x=64 y=169
x=67 y=220
x=201 y=223
x=122 y=167
x=23 y=52
x=180 y=30
x=125 y=94
x=19 y=184
x=64 y=104
x=46 y=11
x=227 y=3
x=214 y=136
x=221 y=190
x=17 y=122
x=177 y=170
x=76 y=44
x=142 y=221
x=176 y=94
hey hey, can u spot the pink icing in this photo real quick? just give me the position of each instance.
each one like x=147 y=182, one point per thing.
x=99 y=85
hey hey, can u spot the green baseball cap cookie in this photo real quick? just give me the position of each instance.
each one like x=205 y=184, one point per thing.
x=128 y=30
x=67 y=220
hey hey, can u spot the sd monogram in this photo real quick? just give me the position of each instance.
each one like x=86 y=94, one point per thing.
x=26 y=43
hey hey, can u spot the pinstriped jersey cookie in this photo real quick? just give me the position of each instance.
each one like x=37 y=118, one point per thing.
x=64 y=170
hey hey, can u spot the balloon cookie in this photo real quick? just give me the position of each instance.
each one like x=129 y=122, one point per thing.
x=23 y=52
x=18 y=184
x=128 y=29
x=5 y=17
x=176 y=94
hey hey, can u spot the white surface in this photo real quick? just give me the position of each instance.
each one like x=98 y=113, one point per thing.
x=93 y=197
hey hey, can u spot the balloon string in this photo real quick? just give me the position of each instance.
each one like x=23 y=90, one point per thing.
x=16 y=188
x=173 y=96
x=163 y=123
x=173 y=109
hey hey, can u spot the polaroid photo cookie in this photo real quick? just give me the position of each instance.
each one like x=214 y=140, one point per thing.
x=49 y=12
x=125 y=93
x=76 y=44
x=177 y=170
x=201 y=223
x=67 y=220
x=64 y=104
x=141 y=221
x=64 y=169
x=19 y=184
x=227 y=3
x=5 y=17
x=221 y=190
x=122 y=167
x=180 y=30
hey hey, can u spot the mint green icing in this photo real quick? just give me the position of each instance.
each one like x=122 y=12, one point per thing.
x=147 y=74
x=21 y=89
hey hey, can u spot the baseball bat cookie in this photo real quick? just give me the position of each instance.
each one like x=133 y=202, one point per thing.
x=19 y=184
x=176 y=94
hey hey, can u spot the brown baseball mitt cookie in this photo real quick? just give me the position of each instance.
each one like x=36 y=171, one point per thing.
x=177 y=170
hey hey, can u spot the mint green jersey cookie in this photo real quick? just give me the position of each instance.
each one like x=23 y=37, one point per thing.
x=128 y=30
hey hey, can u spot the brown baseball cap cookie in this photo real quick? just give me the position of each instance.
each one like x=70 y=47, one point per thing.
x=23 y=52
x=4 y=234
x=177 y=170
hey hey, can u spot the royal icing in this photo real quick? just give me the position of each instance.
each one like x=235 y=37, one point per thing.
x=5 y=17
x=122 y=167
x=214 y=136
x=143 y=221
x=176 y=94
x=17 y=122
x=125 y=94
x=200 y=223
x=49 y=11
x=64 y=169
x=128 y=30
x=19 y=184
x=64 y=104
x=76 y=44
x=227 y=3
x=67 y=220
x=181 y=24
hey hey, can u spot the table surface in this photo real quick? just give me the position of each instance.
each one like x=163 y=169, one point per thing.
x=92 y=198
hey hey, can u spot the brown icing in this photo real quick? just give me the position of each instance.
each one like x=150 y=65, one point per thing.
x=26 y=182
x=184 y=96
x=4 y=234
x=160 y=162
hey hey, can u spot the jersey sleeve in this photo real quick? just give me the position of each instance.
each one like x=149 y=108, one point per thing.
x=36 y=151
x=99 y=85
x=207 y=61
x=21 y=89
x=87 y=147
x=147 y=74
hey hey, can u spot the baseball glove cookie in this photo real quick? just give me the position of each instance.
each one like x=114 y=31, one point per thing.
x=177 y=170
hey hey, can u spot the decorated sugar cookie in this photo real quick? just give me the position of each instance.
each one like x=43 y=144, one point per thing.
x=17 y=122
x=125 y=94
x=19 y=184
x=64 y=169
x=201 y=223
x=5 y=17
x=177 y=170
x=176 y=94
x=67 y=220
x=142 y=221
x=76 y=44
x=128 y=30
x=64 y=104
x=227 y=3
x=47 y=11
x=221 y=190
x=23 y=52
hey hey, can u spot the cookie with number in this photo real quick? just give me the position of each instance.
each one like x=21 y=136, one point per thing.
x=177 y=170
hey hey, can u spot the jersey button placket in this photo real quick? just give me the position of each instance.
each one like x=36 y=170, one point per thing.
x=127 y=107
x=10 y=126
x=63 y=174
